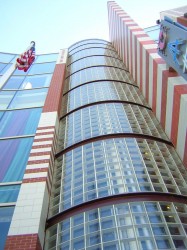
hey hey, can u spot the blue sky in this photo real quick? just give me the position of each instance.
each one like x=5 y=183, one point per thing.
x=56 y=24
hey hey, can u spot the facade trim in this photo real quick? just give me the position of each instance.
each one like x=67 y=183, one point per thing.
x=111 y=136
x=105 y=80
x=96 y=66
x=101 y=102
x=91 y=48
x=115 y=199
x=93 y=56
x=106 y=42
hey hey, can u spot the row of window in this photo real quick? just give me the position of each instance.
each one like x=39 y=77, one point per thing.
x=108 y=118
x=91 y=52
x=101 y=91
x=27 y=82
x=115 y=166
x=40 y=68
x=97 y=73
x=22 y=99
x=87 y=42
x=142 y=225
x=94 y=61
x=7 y=58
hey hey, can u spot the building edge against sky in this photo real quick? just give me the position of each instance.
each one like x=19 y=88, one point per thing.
x=165 y=91
x=29 y=218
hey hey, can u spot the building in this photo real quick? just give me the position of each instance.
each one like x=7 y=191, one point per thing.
x=164 y=90
x=89 y=164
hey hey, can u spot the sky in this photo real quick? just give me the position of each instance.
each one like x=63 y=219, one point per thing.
x=57 y=24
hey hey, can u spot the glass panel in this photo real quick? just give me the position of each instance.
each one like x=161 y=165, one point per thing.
x=13 y=166
x=42 y=68
x=29 y=98
x=37 y=81
x=46 y=58
x=5 y=98
x=9 y=193
x=5 y=219
x=19 y=122
x=2 y=66
x=6 y=58
x=13 y=82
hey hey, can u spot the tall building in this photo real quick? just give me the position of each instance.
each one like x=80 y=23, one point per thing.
x=85 y=163
x=163 y=88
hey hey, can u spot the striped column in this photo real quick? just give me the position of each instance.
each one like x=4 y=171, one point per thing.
x=164 y=91
x=27 y=228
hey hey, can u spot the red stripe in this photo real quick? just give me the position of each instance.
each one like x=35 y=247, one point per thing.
x=54 y=96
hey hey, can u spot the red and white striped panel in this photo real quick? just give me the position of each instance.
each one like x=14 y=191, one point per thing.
x=164 y=90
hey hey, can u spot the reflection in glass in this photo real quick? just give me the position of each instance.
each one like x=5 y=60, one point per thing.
x=13 y=82
x=5 y=219
x=9 y=193
x=19 y=122
x=42 y=68
x=5 y=98
x=29 y=98
x=6 y=58
x=37 y=81
x=46 y=58
x=13 y=158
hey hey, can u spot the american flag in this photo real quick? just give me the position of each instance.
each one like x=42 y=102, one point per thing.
x=27 y=58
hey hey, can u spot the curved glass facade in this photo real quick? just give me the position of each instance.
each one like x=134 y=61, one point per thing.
x=110 y=145
x=134 y=225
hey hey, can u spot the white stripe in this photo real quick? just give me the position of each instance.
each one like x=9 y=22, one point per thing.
x=160 y=68
x=40 y=143
x=143 y=70
x=48 y=119
x=133 y=27
x=43 y=136
x=150 y=46
x=45 y=130
x=35 y=175
x=38 y=150
x=39 y=157
x=151 y=58
x=144 y=38
x=37 y=166
x=62 y=57
x=138 y=63
x=133 y=55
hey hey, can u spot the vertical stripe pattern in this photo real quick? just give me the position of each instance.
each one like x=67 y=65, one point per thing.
x=163 y=89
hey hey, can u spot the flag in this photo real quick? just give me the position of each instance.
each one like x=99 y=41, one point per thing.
x=26 y=59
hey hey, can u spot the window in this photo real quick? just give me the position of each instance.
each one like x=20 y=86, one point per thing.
x=5 y=219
